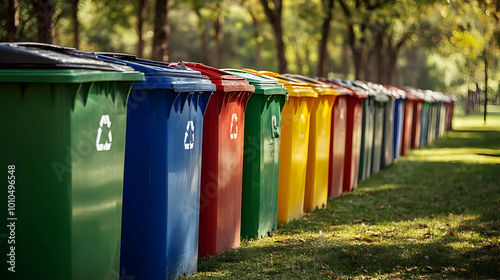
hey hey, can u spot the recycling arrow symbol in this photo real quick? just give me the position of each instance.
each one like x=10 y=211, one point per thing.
x=105 y=121
x=189 y=129
x=234 y=133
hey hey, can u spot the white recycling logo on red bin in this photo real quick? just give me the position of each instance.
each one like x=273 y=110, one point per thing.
x=234 y=127
x=105 y=121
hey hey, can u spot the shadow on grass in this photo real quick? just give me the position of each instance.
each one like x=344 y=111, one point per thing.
x=395 y=197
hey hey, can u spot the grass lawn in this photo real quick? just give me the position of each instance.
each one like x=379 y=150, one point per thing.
x=434 y=214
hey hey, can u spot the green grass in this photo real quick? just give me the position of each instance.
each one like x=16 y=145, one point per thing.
x=434 y=214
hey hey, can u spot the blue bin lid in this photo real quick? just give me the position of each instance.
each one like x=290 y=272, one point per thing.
x=161 y=75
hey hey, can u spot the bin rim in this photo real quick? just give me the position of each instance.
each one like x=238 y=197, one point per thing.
x=223 y=81
x=162 y=76
x=320 y=87
x=357 y=91
x=340 y=89
x=413 y=94
x=27 y=55
x=397 y=92
x=66 y=76
x=263 y=84
x=296 y=88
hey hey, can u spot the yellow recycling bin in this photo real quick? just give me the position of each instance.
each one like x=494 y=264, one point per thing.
x=318 y=159
x=295 y=121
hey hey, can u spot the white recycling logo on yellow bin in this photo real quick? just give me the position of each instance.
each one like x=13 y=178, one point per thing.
x=105 y=121
x=234 y=127
x=189 y=143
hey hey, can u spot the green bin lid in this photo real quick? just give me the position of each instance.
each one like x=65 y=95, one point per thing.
x=263 y=84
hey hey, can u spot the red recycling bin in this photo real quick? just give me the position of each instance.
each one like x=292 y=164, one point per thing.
x=408 y=120
x=416 y=127
x=222 y=161
x=353 y=138
x=337 y=139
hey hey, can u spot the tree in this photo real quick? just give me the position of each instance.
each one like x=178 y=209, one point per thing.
x=76 y=24
x=142 y=17
x=44 y=10
x=161 y=31
x=12 y=20
x=273 y=10
x=325 y=34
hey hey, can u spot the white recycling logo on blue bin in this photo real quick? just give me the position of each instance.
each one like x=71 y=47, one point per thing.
x=105 y=121
x=189 y=141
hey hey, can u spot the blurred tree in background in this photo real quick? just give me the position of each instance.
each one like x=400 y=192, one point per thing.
x=447 y=45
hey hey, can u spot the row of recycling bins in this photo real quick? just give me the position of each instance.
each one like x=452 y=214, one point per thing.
x=124 y=167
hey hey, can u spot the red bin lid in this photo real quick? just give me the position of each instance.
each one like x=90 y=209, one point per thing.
x=223 y=81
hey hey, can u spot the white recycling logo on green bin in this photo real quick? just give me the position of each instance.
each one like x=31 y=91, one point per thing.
x=189 y=143
x=105 y=121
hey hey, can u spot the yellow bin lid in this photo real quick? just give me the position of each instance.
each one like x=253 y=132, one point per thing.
x=296 y=88
x=321 y=87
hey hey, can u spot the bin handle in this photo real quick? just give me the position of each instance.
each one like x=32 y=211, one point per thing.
x=275 y=128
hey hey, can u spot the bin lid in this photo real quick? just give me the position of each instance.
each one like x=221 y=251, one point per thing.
x=320 y=87
x=397 y=92
x=36 y=62
x=413 y=94
x=296 y=88
x=223 y=81
x=429 y=96
x=357 y=91
x=340 y=89
x=161 y=75
x=263 y=84
x=43 y=56
x=380 y=92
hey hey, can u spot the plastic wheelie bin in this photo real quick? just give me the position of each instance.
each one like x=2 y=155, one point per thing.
x=399 y=106
x=417 y=119
x=381 y=100
x=424 y=116
x=318 y=159
x=295 y=121
x=259 y=203
x=367 y=131
x=162 y=170
x=388 y=138
x=408 y=122
x=63 y=123
x=222 y=161
x=338 y=138
x=353 y=136
x=431 y=124
x=442 y=115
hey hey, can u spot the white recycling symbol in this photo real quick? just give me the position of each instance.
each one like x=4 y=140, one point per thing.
x=234 y=133
x=189 y=145
x=105 y=121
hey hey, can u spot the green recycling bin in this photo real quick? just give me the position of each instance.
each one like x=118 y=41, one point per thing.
x=63 y=144
x=261 y=148
x=388 y=137
x=367 y=131
x=381 y=100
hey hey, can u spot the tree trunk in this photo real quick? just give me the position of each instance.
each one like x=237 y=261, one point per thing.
x=143 y=15
x=274 y=17
x=76 y=24
x=203 y=38
x=44 y=11
x=161 y=31
x=219 y=36
x=258 y=43
x=12 y=20
x=325 y=34
x=485 y=85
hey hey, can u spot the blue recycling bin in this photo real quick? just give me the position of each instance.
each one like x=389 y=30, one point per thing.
x=399 y=112
x=162 y=170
